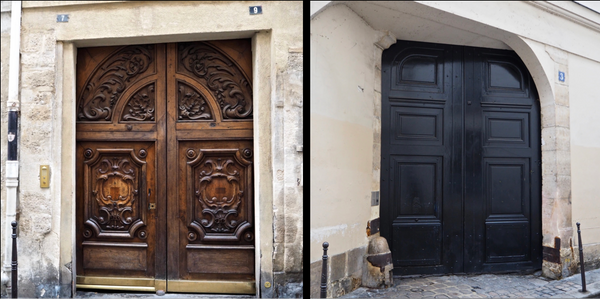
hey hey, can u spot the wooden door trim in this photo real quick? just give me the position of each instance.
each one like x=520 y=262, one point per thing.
x=171 y=146
x=161 y=172
x=214 y=135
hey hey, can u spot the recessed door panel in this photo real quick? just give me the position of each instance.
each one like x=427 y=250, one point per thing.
x=460 y=177
x=217 y=197
x=417 y=125
x=417 y=186
x=507 y=241
x=417 y=244
x=506 y=128
x=116 y=225
x=506 y=183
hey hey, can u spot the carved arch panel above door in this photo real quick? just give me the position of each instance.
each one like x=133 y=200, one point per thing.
x=111 y=77
x=224 y=78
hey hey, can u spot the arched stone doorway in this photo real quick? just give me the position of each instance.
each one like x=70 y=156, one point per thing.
x=417 y=22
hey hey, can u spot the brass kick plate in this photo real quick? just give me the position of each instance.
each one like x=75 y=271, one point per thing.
x=151 y=206
x=44 y=176
x=212 y=286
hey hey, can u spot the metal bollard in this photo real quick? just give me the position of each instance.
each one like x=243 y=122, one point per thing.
x=581 y=260
x=14 y=260
x=324 y=272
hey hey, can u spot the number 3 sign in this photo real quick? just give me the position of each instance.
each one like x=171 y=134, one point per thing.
x=561 y=76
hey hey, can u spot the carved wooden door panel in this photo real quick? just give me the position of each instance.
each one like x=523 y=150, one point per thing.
x=164 y=168
x=120 y=157
x=211 y=244
x=117 y=231
x=460 y=171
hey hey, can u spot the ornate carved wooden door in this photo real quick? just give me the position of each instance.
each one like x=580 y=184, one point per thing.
x=460 y=168
x=164 y=168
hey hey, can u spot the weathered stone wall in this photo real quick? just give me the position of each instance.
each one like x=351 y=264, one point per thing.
x=37 y=211
x=344 y=273
x=288 y=189
x=45 y=217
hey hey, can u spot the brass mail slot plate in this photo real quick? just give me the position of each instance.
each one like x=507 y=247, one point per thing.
x=44 y=176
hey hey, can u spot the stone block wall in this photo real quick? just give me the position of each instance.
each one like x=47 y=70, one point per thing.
x=344 y=273
x=288 y=186
x=38 y=214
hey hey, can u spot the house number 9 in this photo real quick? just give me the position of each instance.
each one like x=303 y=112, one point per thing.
x=255 y=10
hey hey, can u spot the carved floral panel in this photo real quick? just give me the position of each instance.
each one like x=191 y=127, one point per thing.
x=192 y=104
x=221 y=76
x=110 y=79
x=140 y=107
x=219 y=186
x=114 y=183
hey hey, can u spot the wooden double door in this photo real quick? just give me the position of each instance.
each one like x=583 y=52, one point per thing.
x=461 y=166
x=164 y=168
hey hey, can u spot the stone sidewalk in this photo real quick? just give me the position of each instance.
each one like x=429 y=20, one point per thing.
x=485 y=286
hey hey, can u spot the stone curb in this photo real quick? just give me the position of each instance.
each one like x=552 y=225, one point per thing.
x=592 y=285
x=592 y=291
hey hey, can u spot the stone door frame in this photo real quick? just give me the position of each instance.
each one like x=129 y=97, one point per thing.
x=66 y=57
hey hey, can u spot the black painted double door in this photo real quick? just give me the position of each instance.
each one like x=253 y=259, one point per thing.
x=460 y=168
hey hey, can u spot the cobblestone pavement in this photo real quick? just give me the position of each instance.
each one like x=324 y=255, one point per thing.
x=485 y=286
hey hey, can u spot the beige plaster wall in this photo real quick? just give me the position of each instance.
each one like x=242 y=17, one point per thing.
x=341 y=124
x=46 y=138
x=585 y=146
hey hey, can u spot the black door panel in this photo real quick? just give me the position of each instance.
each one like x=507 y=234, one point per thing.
x=460 y=178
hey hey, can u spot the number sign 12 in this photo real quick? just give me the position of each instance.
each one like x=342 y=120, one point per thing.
x=255 y=10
